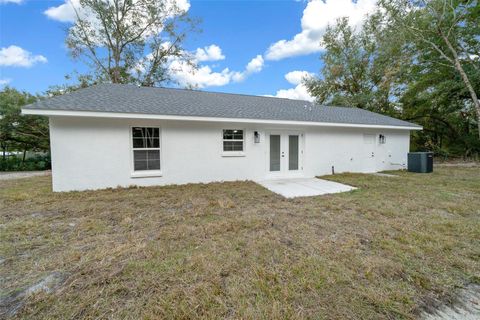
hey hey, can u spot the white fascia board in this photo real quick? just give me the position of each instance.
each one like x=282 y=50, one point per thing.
x=94 y=114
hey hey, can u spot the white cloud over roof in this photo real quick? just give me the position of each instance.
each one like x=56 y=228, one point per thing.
x=299 y=92
x=296 y=77
x=205 y=76
x=318 y=14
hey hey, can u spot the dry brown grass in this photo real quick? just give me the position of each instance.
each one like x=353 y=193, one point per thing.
x=236 y=250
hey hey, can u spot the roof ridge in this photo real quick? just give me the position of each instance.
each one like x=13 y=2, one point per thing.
x=236 y=94
x=213 y=92
x=221 y=93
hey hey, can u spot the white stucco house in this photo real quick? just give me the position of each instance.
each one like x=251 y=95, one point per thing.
x=113 y=135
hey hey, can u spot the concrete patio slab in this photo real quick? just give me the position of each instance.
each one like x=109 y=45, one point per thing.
x=304 y=187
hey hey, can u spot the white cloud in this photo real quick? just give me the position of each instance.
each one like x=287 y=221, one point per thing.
x=255 y=65
x=66 y=11
x=318 y=14
x=11 y=1
x=204 y=76
x=201 y=77
x=299 y=92
x=15 y=56
x=186 y=75
x=4 y=82
x=296 y=77
x=210 y=53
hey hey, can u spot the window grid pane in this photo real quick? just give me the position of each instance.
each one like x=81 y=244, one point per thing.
x=274 y=152
x=293 y=152
x=146 y=148
x=232 y=140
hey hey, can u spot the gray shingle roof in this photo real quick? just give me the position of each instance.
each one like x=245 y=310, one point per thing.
x=178 y=102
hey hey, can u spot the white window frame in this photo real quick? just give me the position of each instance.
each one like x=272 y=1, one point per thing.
x=233 y=153
x=145 y=173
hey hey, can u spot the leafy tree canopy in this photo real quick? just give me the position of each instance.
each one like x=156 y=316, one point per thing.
x=130 y=41
x=21 y=132
x=414 y=59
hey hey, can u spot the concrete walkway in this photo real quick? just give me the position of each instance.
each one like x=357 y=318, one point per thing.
x=303 y=187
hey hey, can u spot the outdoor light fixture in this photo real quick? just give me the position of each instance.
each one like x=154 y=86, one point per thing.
x=256 y=137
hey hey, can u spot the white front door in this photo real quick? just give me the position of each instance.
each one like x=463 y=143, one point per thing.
x=285 y=150
x=369 y=157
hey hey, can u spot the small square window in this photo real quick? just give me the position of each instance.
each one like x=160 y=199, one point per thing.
x=382 y=139
x=233 y=140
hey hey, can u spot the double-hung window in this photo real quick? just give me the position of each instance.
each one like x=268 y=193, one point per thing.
x=146 y=148
x=233 y=141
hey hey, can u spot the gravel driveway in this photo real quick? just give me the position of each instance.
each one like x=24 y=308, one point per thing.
x=22 y=174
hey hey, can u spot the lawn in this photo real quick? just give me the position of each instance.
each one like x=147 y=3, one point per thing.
x=388 y=250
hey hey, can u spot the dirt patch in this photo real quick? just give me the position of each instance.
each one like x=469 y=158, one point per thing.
x=466 y=306
x=11 y=303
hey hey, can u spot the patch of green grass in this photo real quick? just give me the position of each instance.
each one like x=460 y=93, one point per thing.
x=236 y=250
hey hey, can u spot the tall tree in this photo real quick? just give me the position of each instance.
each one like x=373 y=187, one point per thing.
x=130 y=41
x=359 y=69
x=401 y=62
x=446 y=31
x=435 y=97
x=21 y=132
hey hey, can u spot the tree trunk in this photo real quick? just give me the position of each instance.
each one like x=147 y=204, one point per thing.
x=24 y=156
x=465 y=79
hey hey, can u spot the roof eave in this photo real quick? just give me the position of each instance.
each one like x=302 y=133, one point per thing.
x=121 y=115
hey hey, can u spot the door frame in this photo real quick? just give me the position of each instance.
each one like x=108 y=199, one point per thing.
x=284 y=172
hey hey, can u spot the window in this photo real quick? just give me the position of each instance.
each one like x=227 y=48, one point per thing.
x=232 y=140
x=381 y=139
x=146 y=148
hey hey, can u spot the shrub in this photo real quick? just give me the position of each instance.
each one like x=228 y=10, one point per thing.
x=15 y=163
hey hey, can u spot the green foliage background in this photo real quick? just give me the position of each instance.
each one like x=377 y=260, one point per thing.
x=399 y=63
x=21 y=133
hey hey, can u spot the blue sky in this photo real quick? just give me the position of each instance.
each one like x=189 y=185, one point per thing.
x=251 y=47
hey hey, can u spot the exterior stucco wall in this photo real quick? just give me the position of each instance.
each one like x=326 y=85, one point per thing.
x=95 y=153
